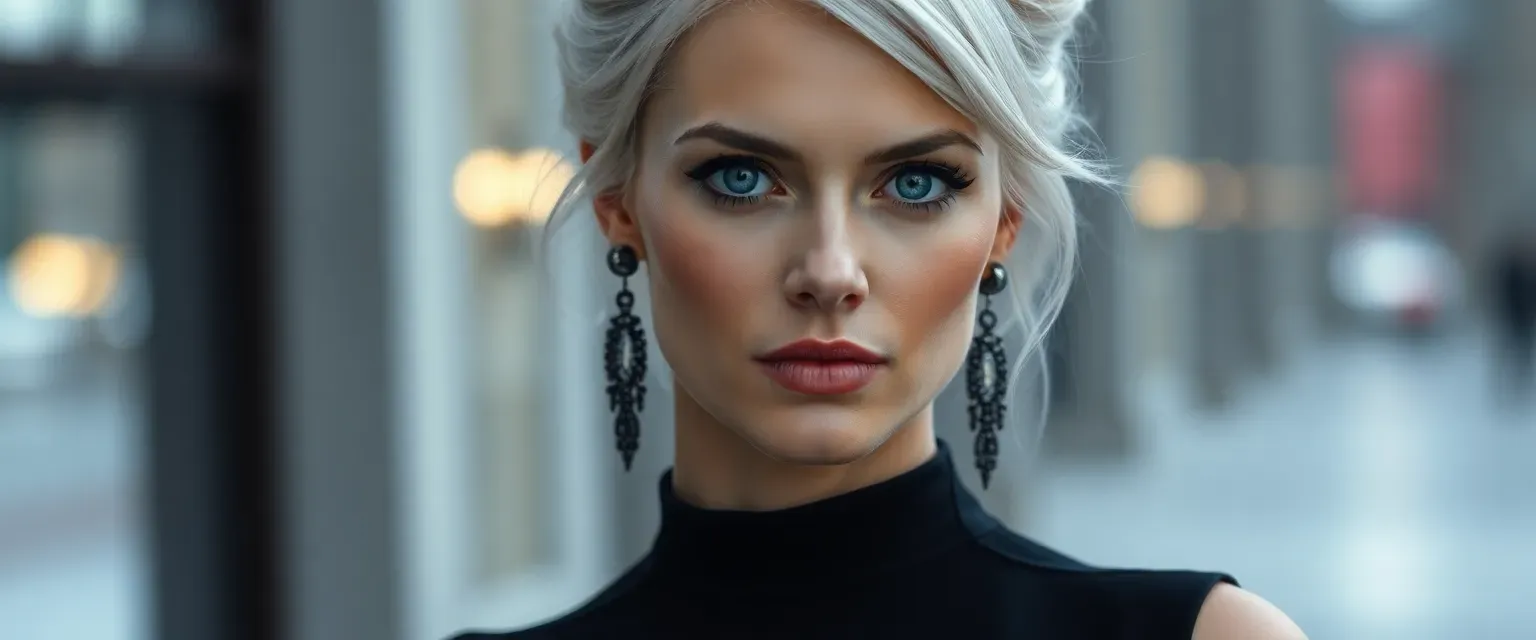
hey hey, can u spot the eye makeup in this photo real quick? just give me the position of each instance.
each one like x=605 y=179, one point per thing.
x=723 y=177
x=920 y=175
x=737 y=180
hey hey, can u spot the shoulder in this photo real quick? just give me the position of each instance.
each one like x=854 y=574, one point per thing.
x=1130 y=603
x=1231 y=613
x=1157 y=588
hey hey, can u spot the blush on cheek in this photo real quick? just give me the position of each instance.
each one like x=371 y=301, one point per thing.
x=689 y=270
x=700 y=284
x=928 y=298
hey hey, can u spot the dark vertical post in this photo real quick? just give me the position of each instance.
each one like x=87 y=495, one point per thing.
x=209 y=427
x=11 y=231
x=208 y=465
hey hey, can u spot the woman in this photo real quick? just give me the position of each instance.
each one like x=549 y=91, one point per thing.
x=827 y=196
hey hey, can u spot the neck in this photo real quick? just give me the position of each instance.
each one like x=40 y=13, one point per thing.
x=716 y=469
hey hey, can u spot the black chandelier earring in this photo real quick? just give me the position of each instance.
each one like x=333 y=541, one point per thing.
x=986 y=376
x=624 y=358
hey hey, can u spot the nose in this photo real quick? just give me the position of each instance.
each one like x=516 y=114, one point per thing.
x=827 y=275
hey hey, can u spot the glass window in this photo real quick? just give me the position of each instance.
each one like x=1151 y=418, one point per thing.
x=73 y=314
x=532 y=538
x=75 y=309
x=102 y=30
x=511 y=453
x=505 y=187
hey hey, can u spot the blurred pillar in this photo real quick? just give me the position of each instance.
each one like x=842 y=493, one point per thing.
x=201 y=189
x=1221 y=125
x=1089 y=386
x=1322 y=150
x=1152 y=79
x=12 y=225
x=342 y=570
x=1475 y=168
x=1292 y=111
x=1255 y=298
x=1519 y=69
x=206 y=438
x=1493 y=131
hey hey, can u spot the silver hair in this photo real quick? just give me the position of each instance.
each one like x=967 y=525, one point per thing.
x=1002 y=63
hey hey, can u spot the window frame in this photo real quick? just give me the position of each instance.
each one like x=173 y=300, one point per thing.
x=207 y=430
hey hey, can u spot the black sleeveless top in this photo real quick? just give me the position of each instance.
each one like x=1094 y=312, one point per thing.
x=912 y=557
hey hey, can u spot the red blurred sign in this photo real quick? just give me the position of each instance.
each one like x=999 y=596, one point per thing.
x=1390 y=110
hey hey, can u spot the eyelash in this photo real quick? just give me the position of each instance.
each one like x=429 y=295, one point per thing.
x=701 y=173
x=952 y=176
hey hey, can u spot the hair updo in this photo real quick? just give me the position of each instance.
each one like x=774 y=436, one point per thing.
x=1001 y=63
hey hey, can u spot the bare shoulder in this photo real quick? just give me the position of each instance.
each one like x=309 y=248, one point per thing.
x=1230 y=613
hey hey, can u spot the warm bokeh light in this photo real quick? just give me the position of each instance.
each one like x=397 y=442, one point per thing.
x=1287 y=197
x=550 y=174
x=1167 y=193
x=106 y=276
x=58 y=275
x=484 y=188
x=494 y=188
x=1227 y=194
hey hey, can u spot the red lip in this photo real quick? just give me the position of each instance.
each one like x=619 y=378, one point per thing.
x=814 y=367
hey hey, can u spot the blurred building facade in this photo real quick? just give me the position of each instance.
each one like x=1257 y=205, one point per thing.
x=363 y=399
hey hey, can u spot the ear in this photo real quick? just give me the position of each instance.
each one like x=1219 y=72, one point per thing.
x=614 y=216
x=1008 y=226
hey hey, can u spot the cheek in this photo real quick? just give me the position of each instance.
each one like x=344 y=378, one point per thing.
x=929 y=298
x=698 y=273
x=688 y=268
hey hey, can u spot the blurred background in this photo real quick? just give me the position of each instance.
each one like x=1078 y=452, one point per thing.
x=276 y=359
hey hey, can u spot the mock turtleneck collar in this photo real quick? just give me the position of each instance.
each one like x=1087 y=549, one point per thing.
x=863 y=532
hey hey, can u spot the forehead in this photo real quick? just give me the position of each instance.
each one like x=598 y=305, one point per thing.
x=788 y=69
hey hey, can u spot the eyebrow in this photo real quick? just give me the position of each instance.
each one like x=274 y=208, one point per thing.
x=753 y=143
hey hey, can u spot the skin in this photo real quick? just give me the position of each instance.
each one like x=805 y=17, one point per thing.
x=830 y=250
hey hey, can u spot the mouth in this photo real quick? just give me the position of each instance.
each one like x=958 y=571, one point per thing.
x=818 y=368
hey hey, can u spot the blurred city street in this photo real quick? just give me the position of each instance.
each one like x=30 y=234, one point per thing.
x=295 y=345
x=1372 y=490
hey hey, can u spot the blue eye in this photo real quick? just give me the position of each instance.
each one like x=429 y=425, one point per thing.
x=916 y=187
x=925 y=185
x=739 y=181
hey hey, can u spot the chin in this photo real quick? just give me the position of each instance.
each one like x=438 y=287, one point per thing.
x=818 y=436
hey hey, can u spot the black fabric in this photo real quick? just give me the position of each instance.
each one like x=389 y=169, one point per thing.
x=913 y=557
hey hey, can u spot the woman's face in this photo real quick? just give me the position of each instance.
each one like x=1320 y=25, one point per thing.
x=815 y=222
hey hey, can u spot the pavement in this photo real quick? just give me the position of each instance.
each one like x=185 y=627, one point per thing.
x=1372 y=489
